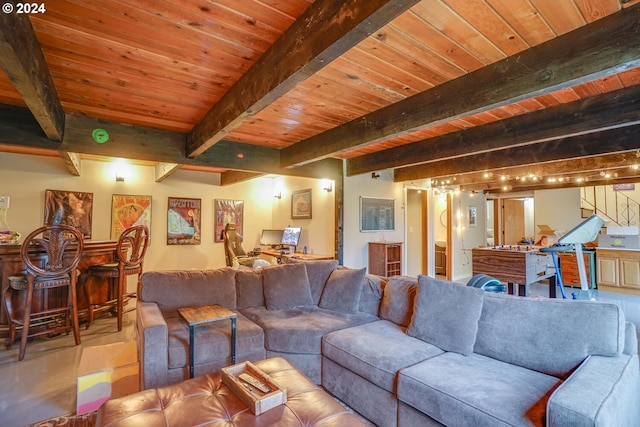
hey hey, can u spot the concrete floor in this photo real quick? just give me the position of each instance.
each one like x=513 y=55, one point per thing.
x=43 y=385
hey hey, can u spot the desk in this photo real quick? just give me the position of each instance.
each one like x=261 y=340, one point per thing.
x=95 y=252
x=195 y=316
x=297 y=255
x=515 y=267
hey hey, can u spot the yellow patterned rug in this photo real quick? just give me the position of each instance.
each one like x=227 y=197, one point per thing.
x=70 y=420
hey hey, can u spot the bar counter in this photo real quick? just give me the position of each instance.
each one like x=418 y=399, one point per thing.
x=95 y=252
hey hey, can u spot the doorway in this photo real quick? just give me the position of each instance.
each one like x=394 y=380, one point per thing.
x=510 y=221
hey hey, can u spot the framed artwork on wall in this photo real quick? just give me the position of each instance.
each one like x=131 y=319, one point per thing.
x=183 y=221
x=225 y=212
x=72 y=208
x=473 y=216
x=377 y=214
x=301 y=204
x=128 y=210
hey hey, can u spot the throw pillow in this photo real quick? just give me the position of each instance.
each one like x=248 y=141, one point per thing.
x=446 y=314
x=249 y=288
x=318 y=272
x=398 y=300
x=342 y=291
x=286 y=286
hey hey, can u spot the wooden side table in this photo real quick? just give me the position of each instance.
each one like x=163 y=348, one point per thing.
x=201 y=315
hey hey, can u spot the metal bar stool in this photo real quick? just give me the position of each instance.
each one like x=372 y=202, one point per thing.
x=130 y=251
x=63 y=245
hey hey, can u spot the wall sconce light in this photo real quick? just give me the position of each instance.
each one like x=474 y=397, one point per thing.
x=327 y=185
x=277 y=194
x=121 y=169
x=375 y=175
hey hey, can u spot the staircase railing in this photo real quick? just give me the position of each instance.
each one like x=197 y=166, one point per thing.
x=615 y=206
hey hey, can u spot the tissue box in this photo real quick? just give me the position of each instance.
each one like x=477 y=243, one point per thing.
x=107 y=371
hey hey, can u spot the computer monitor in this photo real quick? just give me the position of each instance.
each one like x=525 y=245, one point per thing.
x=291 y=236
x=271 y=238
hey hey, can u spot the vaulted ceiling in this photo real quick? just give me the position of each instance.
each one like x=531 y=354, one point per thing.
x=488 y=95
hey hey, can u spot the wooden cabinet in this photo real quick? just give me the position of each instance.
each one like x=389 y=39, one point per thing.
x=618 y=268
x=385 y=258
x=569 y=268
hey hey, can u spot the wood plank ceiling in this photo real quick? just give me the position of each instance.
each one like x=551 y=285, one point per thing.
x=488 y=95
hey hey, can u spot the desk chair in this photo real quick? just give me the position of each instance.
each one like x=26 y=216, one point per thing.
x=63 y=245
x=233 y=249
x=130 y=251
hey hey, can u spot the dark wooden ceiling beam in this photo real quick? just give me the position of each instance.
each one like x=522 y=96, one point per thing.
x=614 y=109
x=604 y=47
x=18 y=127
x=521 y=176
x=22 y=60
x=326 y=30
x=616 y=140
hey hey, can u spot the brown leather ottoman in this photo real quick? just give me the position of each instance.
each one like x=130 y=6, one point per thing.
x=207 y=401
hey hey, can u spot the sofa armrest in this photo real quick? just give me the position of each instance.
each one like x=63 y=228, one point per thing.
x=603 y=391
x=153 y=345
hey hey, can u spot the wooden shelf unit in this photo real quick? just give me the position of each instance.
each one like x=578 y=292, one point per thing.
x=385 y=258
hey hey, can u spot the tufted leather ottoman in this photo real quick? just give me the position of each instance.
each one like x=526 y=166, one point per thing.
x=207 y=401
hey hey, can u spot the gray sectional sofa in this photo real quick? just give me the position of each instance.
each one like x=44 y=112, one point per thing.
x=404 y=351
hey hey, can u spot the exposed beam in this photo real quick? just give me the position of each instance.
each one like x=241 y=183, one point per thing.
x=18 y=127
x=582 y=168
x=164 y=170
x=326 y=30
x=72 y=161
x=599 y=143
x=23 y=61
x=614 y=109
x=607 y=46
x=234 y=177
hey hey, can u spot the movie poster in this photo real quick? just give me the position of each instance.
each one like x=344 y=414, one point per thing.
x=127 y=211
x=183 y=221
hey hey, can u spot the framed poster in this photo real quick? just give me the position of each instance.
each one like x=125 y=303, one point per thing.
x=301 y=204
x=473 y=216
x=72 y=208
x=183 y=221
x=377 y=214
x=225 y=212
x=128 y=210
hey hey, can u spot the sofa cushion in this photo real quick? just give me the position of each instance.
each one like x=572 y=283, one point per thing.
x=300 y=330
x=371 y=295
x=183 y=288
x=342 y=290
x=212 y=340
x=573 y=330
x=376 y=351
x=286 y=286
x=475 y=390
x=318 y=272
x=446 y=314
x=398 y=299
x=249 y=288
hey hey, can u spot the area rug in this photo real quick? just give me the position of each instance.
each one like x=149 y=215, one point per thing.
x=69 y=420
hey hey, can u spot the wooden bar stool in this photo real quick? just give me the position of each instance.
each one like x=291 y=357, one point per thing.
x=130 y=252
x=63 y=245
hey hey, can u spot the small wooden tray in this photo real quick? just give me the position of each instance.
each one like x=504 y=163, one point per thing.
x=257 y=401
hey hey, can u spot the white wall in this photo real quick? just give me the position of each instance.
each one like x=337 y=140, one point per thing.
x=318 y=232
x=25 y=178
x=559 y=209
x=464 y=236
x=355 y=241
